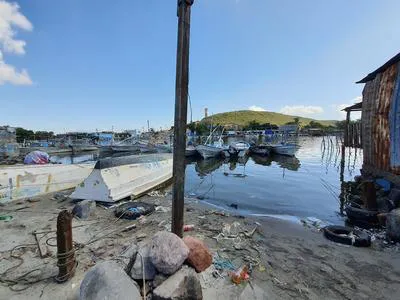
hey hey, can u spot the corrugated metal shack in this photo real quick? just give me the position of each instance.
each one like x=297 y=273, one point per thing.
x=381 y=121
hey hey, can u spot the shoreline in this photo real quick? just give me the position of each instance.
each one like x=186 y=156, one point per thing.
x=288 y=261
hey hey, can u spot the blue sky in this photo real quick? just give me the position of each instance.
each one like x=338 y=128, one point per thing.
x=93 y=64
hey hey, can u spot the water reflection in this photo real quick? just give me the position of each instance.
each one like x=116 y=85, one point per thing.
x=307 y=185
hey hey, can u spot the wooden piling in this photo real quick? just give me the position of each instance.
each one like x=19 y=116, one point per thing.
x=369 y=194
x=65 y=249
x=181 y=100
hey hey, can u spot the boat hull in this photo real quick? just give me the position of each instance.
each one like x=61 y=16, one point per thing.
x=288 y=150
x=24 y=181
x=113 y=179
x=208 y=151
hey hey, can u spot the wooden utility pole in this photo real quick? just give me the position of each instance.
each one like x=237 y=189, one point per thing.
x=181 y=100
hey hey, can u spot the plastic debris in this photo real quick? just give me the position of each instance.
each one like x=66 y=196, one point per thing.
x=240 y=275
x=36 y=158
x=6 y=218
x=188 y=227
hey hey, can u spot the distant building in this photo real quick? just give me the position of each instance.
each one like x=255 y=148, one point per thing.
x=8 y=142
x=205 y=112
x=292 y=128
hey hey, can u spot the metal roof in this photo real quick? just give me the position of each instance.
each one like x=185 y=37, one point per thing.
x=355 y=107
x=371 y=76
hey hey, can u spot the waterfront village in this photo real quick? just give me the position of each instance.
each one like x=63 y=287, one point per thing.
x=238 y=205
x=101 y=229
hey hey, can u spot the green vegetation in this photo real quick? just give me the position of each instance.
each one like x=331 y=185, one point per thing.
x=24 y=134
x=245 y=117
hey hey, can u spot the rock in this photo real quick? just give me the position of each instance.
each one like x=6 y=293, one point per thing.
x=199 y=257
x=184 y=284
x=382 y=218
x=167 y=252
x=158 y=280
x=84 y=209
x=384 y=204
x=149 y=269
x=107 y=280
x=252 y=292
x=393 y=225
x=128 y=258
x=395 y=197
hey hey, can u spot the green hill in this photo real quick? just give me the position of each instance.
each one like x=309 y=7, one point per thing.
x=244 y=117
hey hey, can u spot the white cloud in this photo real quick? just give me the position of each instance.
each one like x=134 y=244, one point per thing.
x=342 y=114
x=301 y=110
x=256 y=108
x=10 y=20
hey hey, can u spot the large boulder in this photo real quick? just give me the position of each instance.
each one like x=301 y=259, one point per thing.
x=167 y=252
x=107 y=280
x=393 y=225
x=199 y=257
x=84 y=209
x=184 y=284
x=149 y=269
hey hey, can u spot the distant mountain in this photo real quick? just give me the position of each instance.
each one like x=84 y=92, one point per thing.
x=244 y=117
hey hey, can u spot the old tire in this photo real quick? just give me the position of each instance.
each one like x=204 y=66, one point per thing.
x=133 y=210
x=361 y=214
x=341 y=234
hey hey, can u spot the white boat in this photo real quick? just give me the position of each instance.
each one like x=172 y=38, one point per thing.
x=212 y=149
x=190 y=150
x=284 y=149
x=25 y=181
x=113 y=179
x=239 y=148
x=208 y=151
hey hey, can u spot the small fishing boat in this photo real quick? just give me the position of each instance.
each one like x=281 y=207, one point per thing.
x=240 y=148
x=24 y=181
x=190 y=151
x=113 y=179
x=209 y=150
x=284 y=148
x=262 y=149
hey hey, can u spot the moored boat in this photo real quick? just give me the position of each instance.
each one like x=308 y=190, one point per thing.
x=284 y=149
x=190 y=151
x=208 y=151
x=113 y=179
x=262 y=149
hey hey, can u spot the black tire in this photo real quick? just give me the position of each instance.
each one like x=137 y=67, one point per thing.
x=361 y=214
x=341 y=234
x=133 y=210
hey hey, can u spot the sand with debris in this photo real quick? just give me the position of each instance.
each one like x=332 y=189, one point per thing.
x=287 y=260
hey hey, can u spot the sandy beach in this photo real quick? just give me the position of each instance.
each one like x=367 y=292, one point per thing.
x=287 y=260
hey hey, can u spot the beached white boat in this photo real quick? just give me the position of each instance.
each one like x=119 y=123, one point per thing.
x=24 y=181
x=113 y=179
x=284 y=149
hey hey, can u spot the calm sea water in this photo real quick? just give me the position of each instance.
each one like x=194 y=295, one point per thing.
x=307 y=185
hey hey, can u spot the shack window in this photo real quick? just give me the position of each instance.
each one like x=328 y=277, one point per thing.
x=395 y=123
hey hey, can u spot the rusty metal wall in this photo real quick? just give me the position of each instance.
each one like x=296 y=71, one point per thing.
x=377 y=97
